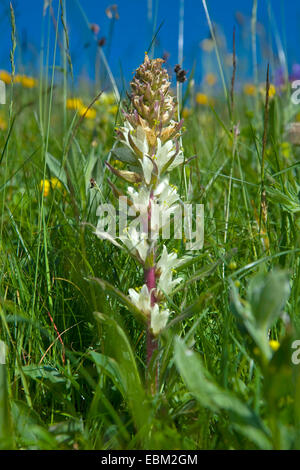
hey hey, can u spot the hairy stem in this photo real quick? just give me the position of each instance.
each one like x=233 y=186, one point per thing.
x=150 y=280
x=151 y=341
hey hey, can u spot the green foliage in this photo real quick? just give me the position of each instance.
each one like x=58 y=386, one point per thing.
x=267 y=296
x=6 y=434
x=211 y=396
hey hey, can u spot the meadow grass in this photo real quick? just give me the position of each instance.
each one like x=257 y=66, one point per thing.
x=74 y=376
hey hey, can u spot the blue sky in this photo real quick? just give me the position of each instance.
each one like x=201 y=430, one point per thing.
x=132 y=32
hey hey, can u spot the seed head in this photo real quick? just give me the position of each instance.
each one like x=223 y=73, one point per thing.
x=180 y=74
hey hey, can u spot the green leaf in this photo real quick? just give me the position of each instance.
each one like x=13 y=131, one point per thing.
x=6 y=433
x=130 y=377
x=26 y=420
x=89 y=167
x=56 y=169
x=124 y=347
x=267 y=296
x=289 y=199
x=210 y=395
x=43 y=373
x=124 y=154
x=109 y=366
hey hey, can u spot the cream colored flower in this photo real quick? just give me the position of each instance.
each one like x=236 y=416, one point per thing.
x=166 y=264
x=159 y=319
x=140 y=199
x=142 y=299
x=136 y=241
x=147 y=167
x=167 y=153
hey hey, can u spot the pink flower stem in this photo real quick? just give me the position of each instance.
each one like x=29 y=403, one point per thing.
x=151 y=341
x=151 y=284
x=150 y=280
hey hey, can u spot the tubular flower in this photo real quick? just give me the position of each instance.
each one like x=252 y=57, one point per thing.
x=148 y=144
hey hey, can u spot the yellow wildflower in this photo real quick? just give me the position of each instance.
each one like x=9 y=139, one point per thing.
x=5 y=76
x=55 y=183
x=202 y=99
x=249 y=89
x=78 y=105
x=88 y=113
x=275 y=345
x=272 y=90
x=3 y=124
x=27 y=82
x=74 y=103
x=232 y=265
x=46 y=185
x=210 y=79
